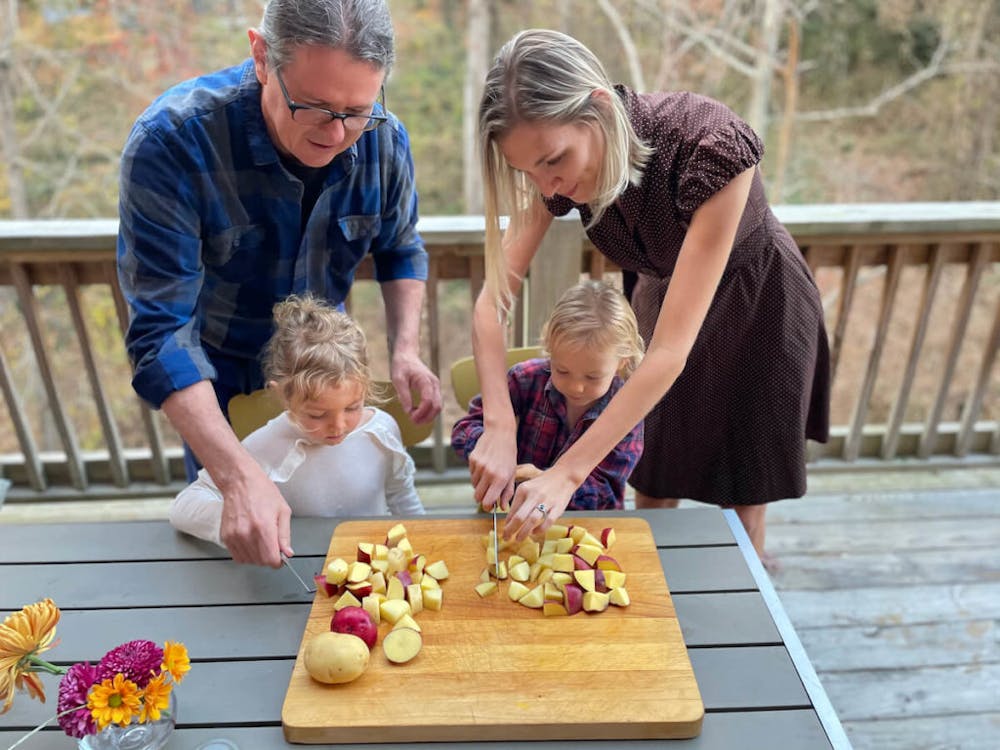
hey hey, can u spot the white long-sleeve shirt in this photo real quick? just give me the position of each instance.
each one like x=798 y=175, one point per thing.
x=368 y=473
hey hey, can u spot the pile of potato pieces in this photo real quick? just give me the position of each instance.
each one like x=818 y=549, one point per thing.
x=570 y=571
x=392 y=583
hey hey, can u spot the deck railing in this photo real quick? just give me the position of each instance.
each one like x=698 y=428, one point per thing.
x=912 y=293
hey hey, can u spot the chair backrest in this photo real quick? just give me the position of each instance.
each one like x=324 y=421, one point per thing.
x=247 y=412
x=465 y=381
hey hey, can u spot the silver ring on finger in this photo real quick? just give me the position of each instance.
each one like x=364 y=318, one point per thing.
x=542 y=509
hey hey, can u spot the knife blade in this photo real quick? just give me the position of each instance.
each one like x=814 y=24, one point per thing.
x=496 y=546
x=284 y=561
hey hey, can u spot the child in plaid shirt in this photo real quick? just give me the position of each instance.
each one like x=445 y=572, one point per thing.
x=593 y=344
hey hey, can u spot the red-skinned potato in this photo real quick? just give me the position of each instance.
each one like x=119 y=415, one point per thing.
x=355 y=621
x=404 y=577
x=607 y=562
x=600 y=584
x=608 y=537
x=336 y=571
x=361 y=589
x=573 y=598
x=325 y=586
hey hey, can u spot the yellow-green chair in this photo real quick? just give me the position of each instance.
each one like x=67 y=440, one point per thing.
x=465 y=381
x=249 y=411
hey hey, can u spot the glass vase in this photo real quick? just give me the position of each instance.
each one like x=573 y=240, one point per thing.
x=152 y=735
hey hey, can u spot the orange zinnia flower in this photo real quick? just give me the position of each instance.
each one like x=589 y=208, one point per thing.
x=114 y=701
x=175 y=660
x=22 y=635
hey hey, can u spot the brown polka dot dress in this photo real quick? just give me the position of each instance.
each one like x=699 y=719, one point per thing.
x=732 y=428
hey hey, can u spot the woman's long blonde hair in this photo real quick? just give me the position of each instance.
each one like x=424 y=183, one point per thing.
x=544 y=76
x=593 y=315
x=314 y=346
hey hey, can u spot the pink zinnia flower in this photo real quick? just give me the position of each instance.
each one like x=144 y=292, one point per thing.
x=73 y=689
x=138 y=661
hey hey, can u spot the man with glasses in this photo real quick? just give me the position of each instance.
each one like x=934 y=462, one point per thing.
x=238 y=188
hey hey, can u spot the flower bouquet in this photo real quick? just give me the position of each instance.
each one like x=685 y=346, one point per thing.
x=131 y=685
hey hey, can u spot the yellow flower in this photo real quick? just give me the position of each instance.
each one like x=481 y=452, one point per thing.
x=114 y=701
x=23 y=635
x=175 y=660
x=155 y=698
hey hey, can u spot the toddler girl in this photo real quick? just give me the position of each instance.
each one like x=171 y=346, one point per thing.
x=328 y=453
x=593 y=345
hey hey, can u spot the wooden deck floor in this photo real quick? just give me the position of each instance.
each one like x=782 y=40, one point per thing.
x=896 y=598
x=892 y=582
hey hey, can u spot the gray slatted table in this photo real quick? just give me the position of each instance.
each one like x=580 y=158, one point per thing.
x=243 y=624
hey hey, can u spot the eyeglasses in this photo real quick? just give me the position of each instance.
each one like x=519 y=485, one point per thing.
x=307 y=114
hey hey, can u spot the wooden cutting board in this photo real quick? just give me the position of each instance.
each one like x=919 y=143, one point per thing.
x=492 y=669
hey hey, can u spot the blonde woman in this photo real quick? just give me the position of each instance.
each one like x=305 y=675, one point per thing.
x=328 y=453
x=736 y=371
x=593 y=344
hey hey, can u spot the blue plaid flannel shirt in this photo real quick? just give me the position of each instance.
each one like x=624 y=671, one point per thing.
x=210 y=233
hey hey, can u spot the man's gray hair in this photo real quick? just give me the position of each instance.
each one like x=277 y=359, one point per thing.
x=362 y=28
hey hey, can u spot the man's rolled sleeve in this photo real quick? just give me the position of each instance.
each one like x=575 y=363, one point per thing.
x=400 y=252
x=159 y=269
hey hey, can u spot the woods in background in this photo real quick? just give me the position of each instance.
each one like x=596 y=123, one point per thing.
x=857 y=100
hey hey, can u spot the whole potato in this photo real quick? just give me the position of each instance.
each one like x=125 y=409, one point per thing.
x=335 y=657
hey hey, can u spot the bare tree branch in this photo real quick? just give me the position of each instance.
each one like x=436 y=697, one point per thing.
x=51 y=106
x=933 y=69
x=628 y=44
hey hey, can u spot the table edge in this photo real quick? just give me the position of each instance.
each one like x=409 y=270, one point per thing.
x=810 y=680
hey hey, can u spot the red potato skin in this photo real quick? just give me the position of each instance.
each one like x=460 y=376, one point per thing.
x=324 y=585
x=404 y=577
x=355 y=621
x=573 y=598
x=599 y=583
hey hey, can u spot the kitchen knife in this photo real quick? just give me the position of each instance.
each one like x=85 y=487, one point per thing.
x=287 y=564
x=496 y=546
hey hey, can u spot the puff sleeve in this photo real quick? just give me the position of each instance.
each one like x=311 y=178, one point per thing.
x=727 y=149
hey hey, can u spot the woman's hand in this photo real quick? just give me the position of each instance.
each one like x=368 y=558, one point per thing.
x=551 y=490
x=491 y=467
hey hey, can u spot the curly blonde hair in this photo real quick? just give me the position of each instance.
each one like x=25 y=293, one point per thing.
x=594 y=315
x=314 y=346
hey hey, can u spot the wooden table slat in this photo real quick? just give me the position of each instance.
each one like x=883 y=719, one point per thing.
x=154 y=540
x=701 y=569
x=725 y=619
x=178 y=583
x=274 y=630
x=760 y=730
x=144 y=540
x=251 y=692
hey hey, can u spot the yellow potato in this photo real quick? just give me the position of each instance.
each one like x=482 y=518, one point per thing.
x=334 y=658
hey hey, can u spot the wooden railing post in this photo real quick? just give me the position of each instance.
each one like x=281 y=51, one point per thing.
x=555 y=268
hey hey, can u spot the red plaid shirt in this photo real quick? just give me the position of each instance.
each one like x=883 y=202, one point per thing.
x=543 y=434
